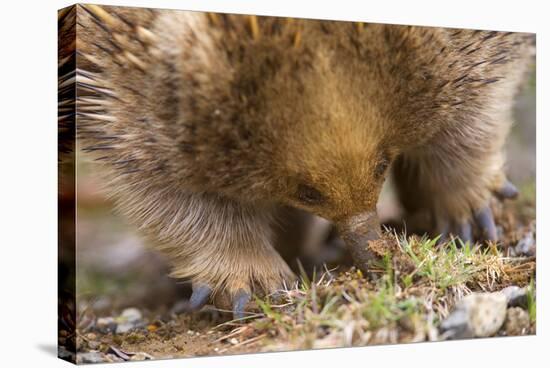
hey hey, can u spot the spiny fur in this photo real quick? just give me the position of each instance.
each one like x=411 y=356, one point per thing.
x=210 y=123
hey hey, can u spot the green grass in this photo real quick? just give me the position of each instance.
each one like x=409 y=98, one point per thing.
x=409 y=290
x=531 y=305
x=447 y=265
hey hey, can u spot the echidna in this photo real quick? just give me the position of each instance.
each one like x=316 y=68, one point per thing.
x=211 y=124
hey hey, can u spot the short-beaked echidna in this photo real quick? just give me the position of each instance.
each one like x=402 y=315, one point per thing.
x=211 y=124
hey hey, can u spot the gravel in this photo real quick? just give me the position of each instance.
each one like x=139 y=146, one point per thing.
x=517 y=322
x=477 y=315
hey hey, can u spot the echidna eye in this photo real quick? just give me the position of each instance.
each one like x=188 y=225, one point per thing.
x=381 y=167
x=309 y=195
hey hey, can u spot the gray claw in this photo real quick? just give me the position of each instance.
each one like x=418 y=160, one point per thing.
x=484 y=219
x=508 y=191
x=240 y=300
x=200 y=296
x=465 y=232
x=444 y=233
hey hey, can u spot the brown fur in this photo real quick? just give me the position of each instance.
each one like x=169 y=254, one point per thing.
x=210 y=123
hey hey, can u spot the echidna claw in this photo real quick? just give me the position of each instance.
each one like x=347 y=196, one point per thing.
x=240 y=300
x=507 y=191
x=486 y=223
x=465 y=232
x=444 y=233
x=199 y=297
x=482 y=220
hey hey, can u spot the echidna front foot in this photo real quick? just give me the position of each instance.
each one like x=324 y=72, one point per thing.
x=458 y=201
x=235 y=280
x=481 y=222
x=226 y=252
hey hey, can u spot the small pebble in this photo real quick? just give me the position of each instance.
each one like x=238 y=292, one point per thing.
x=91 y=357
x=131 y=314
x=517 y=322
x=477 y=315
x=125 y=327
x=106 y=324
x=233 y=341
x=129 y=319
